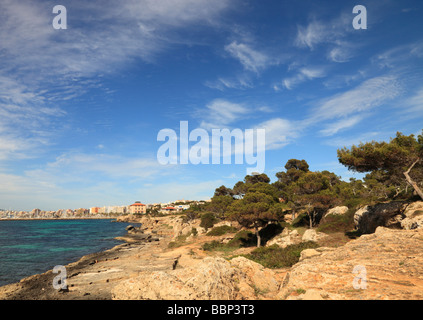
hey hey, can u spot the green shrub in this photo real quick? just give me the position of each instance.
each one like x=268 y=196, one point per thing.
x=243 y=238
x=194 y=232
x=178 y=242
x=276 y=257
x=213 y=245
x=337 y=223
x=218 y=231
x=301 y=220
x=208 y=220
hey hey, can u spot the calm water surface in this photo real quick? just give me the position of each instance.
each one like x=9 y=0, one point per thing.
x=29 y=247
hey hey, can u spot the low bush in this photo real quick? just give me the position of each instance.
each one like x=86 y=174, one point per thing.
x=213 y=245
x=337 y=223
x=277 y=257
x=178 y=242
x=218 y=231
x=243 y=238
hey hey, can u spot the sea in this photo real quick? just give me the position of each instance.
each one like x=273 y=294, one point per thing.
x=29 y=247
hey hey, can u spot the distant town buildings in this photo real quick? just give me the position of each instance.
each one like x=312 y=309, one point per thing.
x=137 y=208
x=102 y=212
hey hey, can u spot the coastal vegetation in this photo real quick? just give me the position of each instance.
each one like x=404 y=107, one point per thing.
x=394 y=172
x=276 y=257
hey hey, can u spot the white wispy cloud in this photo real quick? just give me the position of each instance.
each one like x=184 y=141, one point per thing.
x=40 y=67
x=312 y=34
x=251 y=59
x=348 y=141
x=331 y=33
x=368 y=95
x=98 y=43
x=324 y=31
x=223 y=83
x=279 y=132
x=343 y=124
x=78 y=165
x=26 y=120
x=399 y=56
x=304 y=74
x=221 y=113
x=415 y=102
x=340 y=54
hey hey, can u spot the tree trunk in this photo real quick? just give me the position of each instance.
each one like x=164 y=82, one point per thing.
x=309 y=216
x=411 y=182
x=258 y=237
x=311 y=221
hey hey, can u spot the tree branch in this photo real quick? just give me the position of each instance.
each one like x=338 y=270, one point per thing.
x=411 y=182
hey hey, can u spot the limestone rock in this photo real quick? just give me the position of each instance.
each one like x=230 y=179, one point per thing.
x=285 y=239
x=413 y=216
x=308 y=253
x=390 y=260
x=212 y=279
x=313 y=235
x=261 y=278
x=223 y=223
x=209 y=279
x=340 y=210
x=201 y=230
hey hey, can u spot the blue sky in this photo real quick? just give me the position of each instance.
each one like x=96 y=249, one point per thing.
x=80 y=109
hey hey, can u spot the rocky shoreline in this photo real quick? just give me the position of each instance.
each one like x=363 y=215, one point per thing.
x=93 y=276
x=146 y=267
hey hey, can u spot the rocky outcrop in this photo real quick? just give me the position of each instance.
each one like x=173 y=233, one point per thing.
x=174 y=226
x=413 y=216
x=313 y=235
x=396 y=215
x=209 y=279
x=254 y=276
x=286 y=238
x=368 y=218
x=387 y=264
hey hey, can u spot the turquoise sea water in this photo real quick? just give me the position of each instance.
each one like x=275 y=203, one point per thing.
x=29 y=247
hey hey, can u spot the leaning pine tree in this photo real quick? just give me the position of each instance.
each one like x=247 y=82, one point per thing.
x=401 y=159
